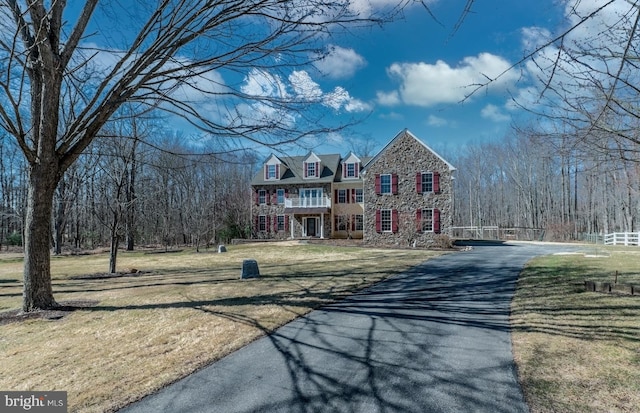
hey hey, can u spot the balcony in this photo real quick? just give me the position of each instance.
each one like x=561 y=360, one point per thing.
x=307 y=205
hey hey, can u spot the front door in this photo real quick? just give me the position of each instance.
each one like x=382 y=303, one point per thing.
x=311 y=227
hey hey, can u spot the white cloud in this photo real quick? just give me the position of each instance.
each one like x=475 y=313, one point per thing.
x=365 y=8
x=341 y=98
x=424 y=84
x=340 y=63
x=392 y=116
x=388 y=99
x=492 y=112
x=304 y=86
x=263 y=84
x=436 y=121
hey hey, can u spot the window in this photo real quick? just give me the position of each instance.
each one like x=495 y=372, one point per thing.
x=385 y=220
x=427 y=182
x=359 y=223
x=280 y=195
x=342 y=196
x=262 y=223
x=385 y=184
x=359 y=195
x=426 y=220
x=262 y=196
x=341 y=223
x=310 y=170
x=280 y=223
x=271 y=172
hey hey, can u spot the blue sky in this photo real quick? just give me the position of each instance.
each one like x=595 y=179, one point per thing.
x=410 y=72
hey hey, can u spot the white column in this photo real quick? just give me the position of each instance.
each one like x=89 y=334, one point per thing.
x=291 y=221
x=322 y=225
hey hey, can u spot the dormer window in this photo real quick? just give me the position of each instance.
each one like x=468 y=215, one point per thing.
x=311 y=166
x=271 y=171
x=351 y=167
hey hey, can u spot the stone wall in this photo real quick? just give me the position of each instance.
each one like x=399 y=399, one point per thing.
x=405 y=157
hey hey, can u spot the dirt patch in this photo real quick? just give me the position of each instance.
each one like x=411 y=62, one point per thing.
x=64 y=308
x=105 y=275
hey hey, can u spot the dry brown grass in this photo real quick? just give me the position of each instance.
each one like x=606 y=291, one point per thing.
x=578 y=351
x=184 y=311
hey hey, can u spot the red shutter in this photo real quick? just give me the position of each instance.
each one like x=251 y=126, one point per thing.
x=257 y=223
x=267 y=197
x=394 y=220
x=419 y=182
x=266 y=172
x=436 y=220
x=356 y=168
x=353 y=222
x=257 y=197
x=394 y=184
x=304 y=169
x=378 y=184
x=286 y=193
x=344 y=170
x=286 y=223
x=317 y=169
x=267 y=222
x=336 y=196
x=277 y=171
x=436 y=182
x=378 y=221
x=274 y=197
x=353 y=195
x=419 y=220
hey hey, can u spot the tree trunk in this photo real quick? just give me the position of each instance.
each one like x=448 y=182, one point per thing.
x=113 y=252
x=60 y=219
x=38 y=292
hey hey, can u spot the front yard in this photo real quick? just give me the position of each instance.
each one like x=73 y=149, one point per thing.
x=180 y=312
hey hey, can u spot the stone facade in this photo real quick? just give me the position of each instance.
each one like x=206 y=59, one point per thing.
x=405 y=157
x=352 y=206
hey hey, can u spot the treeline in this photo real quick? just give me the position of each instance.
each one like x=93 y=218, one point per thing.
x=126 y=192
x=130 y=191
x=561 y=185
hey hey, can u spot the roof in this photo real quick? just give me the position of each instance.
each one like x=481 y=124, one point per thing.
x=406 y=132
x=293 y=173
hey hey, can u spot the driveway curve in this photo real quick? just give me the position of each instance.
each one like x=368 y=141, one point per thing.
x=435 y=339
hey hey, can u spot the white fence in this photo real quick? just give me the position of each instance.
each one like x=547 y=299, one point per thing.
x=622 y=238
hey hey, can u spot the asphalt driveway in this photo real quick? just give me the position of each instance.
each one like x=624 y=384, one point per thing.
x=435 y=339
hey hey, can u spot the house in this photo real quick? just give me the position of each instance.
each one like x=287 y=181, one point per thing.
x=401 y=196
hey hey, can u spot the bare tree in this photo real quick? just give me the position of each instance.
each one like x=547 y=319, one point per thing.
x=58 y=89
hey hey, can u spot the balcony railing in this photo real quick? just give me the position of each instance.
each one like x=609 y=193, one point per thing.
x=316 y=202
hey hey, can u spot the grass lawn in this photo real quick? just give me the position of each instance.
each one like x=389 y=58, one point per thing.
x=578 y=351
x=183 y=311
